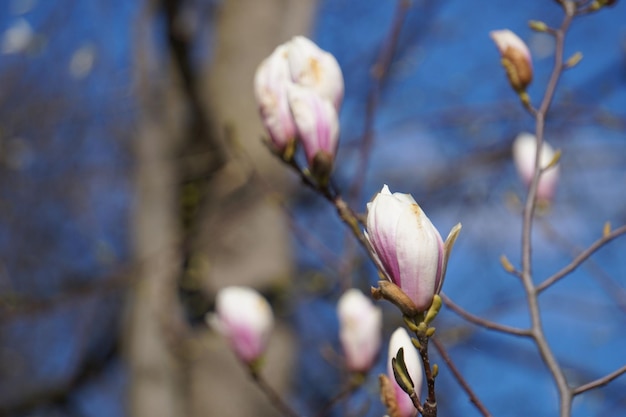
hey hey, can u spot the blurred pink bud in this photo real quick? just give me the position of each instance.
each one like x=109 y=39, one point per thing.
x=516 y=58
x=245 y=319
x=524 y=151
x=360 y=326
x=407 y=244
x=270 y=88
x=316 y=69
x=400 y=339
x=318 y=127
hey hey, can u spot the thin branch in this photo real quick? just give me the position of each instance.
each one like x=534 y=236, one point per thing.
x=547 y=355
x=479 y=321
x=459 y=378
x=355 y=382
x=274 y=398
x=582 y=257
x=600 y=381
x=379 y=74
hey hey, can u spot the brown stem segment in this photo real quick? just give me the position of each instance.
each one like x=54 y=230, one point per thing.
x=459 y=378
x=565 y=392
x=274 y=398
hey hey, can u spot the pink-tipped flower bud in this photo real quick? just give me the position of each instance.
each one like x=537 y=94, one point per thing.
x=516 y=58
x=270 y=88
x=313 y=68
x=400 y=339
x=409 y=247
x=245 y=319
x=318 y=128
x=360 y=326
x=524 y=152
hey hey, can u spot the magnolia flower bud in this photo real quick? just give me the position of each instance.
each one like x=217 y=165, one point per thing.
x=318 y=128
x=270 y=88
x=516 y=58
x=400 y=339
x=360 y=325
x=408 y=246
x=524 y=151
x=245 y=319
x=313 y=68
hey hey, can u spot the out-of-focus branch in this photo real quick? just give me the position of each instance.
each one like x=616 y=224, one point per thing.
x=565 y=394
x=459 y=378
x=600 y=381
x=379 y=74
x=479 y=321
x=582 y=257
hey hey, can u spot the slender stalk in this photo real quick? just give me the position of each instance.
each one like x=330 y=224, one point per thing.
x=276 y=400
x=479 y=321
x=547 y=355
x=600 y=381
x=459 y=378
x=582 y=257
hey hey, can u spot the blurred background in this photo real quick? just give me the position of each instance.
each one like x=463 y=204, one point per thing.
x=134 y=185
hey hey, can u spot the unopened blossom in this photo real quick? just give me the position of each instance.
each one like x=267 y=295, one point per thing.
x=318 y=127
x=316 y=69
x=360 y=326
x=516 y=58
x=524 y=152
x=245 y=319
x=400 y=339
x=270 y=88
x=408 y=246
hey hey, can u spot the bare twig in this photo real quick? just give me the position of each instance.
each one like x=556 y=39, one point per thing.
x=459 y=378
x=582 y=257
x=379 y=74
x=547 y=355
x=479 y=321
x=272 y=395
x=600 y=381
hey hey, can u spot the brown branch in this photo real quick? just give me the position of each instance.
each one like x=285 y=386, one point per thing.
x=459 y=378
x=600 y=381
x=379 y=74
x=582 y=257
x=274 y=398
x=479 y=321
x=546 y=353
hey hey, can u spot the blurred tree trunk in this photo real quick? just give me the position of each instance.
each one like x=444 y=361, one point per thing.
x=177 y=370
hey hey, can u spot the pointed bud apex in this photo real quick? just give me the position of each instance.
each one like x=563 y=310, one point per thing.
x=573 y=60
x=434 y=309
x=606 y=231
x=435 y=370
x=506 y=264
x=245 y=319
x=516 y=58
x=360 y=326
x=537 y=26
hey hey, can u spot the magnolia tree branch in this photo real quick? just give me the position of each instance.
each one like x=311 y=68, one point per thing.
x=272 y=395
x=582 y=257
x=379 y=74
x=479 y=321
x=565 y=393
x=459 y=378
x=600 y=381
